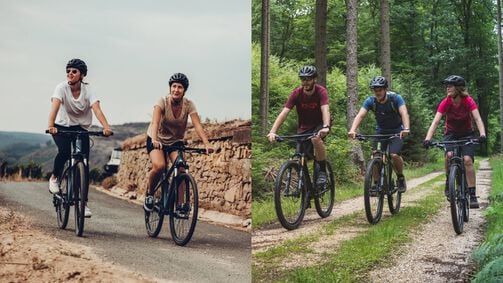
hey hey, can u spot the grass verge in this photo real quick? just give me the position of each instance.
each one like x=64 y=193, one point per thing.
x=353 y=258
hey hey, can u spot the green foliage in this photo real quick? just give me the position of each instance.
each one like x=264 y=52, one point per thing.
x=489 y=256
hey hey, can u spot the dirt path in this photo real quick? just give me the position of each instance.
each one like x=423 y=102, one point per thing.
x=273 y=235
x=436 y=253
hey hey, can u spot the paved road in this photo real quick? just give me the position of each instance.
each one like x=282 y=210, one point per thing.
x=117 y=233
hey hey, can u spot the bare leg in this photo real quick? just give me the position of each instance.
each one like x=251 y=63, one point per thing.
x=158 y=164
x=397 y=164
x=319 y=148
x=470 y=171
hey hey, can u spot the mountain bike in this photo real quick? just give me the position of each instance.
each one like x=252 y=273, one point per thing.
x=74 y=182
x=175 y=195
x=458 y=193
x=379 y=180
x=294 y=189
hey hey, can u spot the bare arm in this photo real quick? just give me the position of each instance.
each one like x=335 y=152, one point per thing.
x=156 y=120
x=478 y=121
x=433 y=126
x=325 y=114
x=279 y=121
x=55 y=104
x=356 y=122
x=194 y=117
x=101 y=117
x=405 y=120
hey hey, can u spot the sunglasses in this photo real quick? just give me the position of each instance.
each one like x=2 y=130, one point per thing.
x=71 y=71
x=304 y=79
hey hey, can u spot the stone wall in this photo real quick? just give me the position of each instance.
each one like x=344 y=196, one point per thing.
x=223 y=178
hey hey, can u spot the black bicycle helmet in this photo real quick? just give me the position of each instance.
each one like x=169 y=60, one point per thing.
x=78 y=64
x=181 y=79
x=455 y=80
x=378 y=81
x=308 y=71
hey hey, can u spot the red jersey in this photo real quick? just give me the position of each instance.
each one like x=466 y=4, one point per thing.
x=458 y=119
x=308 y=107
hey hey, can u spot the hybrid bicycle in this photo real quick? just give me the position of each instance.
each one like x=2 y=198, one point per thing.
x=379 y=180
x=74 y=182
x=294 y=188
x=458 y=193
x=175 y=195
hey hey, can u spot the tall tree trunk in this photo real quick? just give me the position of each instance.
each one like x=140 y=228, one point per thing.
x=356 y=154
x=321 y=41
x=264 y=68
x=500 y=59
x=385 y=42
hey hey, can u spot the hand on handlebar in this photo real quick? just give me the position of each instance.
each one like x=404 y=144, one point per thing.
x=323 y=132
x=352 y=135
x=404 y=133
x=427 y=143
x=107 y=132
x=482 y=139
x=52 y=130
x=272 y=137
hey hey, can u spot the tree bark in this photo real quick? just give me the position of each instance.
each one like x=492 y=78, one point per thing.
x=264 y=67
x=356 y=154
x=500 y=61
x=385 y=42
x=321 y=41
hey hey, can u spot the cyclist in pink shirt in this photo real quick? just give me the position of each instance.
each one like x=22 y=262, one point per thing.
x=458 y=108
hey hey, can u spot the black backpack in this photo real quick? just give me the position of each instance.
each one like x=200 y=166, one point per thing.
x=392 y=99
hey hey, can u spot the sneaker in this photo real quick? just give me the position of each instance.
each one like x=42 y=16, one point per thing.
x=474 y=203
x=183 y=210
x=148 y=205
x=402 y=186
x=322 y=179
x=87 y=212
x=53 y=185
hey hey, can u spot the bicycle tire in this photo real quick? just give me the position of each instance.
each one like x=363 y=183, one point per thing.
x=290 y=208
x=324 y=200
x=155 y=218
x=80 y=190
x=466 y=215
x=373 y=192
x=394 y=196
x=62 y=204
x=182 y=222
x=455 y=199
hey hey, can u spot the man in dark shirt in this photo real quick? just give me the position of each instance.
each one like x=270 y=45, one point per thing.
x=311 y=102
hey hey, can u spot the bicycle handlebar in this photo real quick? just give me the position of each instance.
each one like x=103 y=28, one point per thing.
x=298 y=137
x=185 y=148
x=443 y=144
x=376 y=137
x=77 y=132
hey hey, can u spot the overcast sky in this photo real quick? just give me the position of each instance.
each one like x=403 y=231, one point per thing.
x=131 y=49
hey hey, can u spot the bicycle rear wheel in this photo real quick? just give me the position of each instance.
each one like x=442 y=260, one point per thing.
x=61 y=200
x=394 y=196
x=80 y=189
x=456 y=199
x=373 y=193
x=324 y=197
x=154 y=218
x=466 y=193
x=290 y=195
x=184 y=205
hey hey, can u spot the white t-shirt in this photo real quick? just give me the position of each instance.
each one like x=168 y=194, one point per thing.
x=74 y=112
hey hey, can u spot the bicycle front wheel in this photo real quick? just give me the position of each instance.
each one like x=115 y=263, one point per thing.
x=61 y=201
x=154 y=218
x=456 y=198
x=373 y=192
x=324 y=198
x=290 y=195
x=184 y=205
x=80 y=189
x=394 y=196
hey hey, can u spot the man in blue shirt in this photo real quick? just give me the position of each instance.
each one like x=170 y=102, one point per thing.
x=391 y=117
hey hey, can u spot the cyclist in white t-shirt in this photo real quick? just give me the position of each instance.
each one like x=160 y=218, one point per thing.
x=71 y=105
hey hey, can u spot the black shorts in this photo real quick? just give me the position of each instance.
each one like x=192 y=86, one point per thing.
x=466 y=150
x=395 y=145
x=166 y=149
